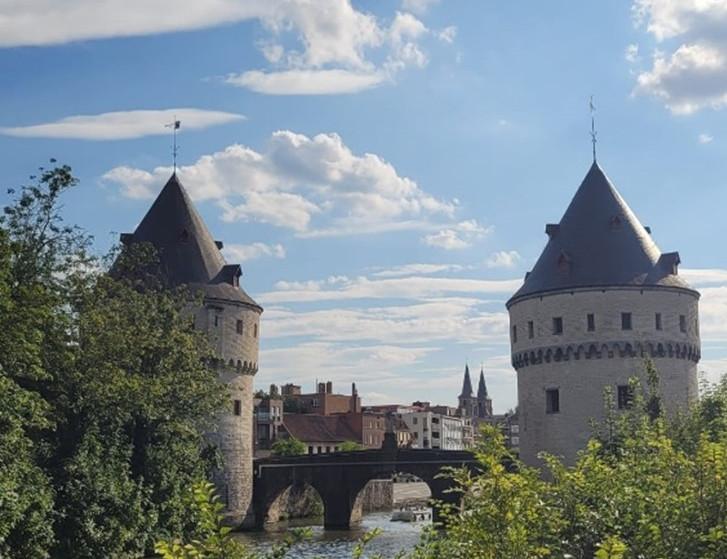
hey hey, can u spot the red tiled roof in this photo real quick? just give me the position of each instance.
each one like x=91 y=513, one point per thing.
x=319 y=428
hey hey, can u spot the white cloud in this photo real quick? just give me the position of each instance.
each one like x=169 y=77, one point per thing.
x=458 y=320
x=697 y=277
x=307 y=82
x=121 y=125
x=632 y=53
x=387 y=348
x=694 y=76
x=344 y=50
x=315 y=186
x=503 y=259
x=705 y=138
x=418 y=6
x=413 y=287
x=321 y=47
x=416 y=269
x=448 y=34
x=39 y=22
x=458 y=236
x=243 y=253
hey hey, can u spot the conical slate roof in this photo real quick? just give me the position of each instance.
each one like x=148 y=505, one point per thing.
x=188 y=255
x=482 y=387
x=467 y=384
x=599 y=242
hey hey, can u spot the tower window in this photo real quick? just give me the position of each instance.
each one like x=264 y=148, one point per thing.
x=237 y=407
x=254 y=330
x=624 y=396
x=625 y=321
x=657 y=321
x=531 y=329
x=682 y=323
x=514 y=334
x=591 y=322
x=217 y=320
x=552 y=400
x=557 y=325
x=239 y=327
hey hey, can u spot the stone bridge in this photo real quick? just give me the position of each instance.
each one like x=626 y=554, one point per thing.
x=340 y=477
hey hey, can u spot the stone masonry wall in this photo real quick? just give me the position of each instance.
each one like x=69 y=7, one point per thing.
x=581 y=374
x=238 y=354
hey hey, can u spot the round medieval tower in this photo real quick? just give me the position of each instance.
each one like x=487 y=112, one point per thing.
x=189 y=256
x=600 y=299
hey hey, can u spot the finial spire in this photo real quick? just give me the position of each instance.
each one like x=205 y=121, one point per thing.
x=174 y=126
x=592 y=108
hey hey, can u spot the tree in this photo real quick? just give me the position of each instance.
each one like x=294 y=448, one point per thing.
x=347 y=446
x=288 y=447
x=105 y=391
x=40 y=259
x=139 y=401
x=211 y=539
x=645 y=487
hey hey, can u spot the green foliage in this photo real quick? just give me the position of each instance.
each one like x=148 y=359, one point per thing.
x=288 y=447
x=347 y=446
x=644 y=488
x=211 y=539
x=40 y=259
x=104 y=391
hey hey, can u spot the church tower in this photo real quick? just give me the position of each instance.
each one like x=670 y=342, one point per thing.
x=600 y=299
x=189 y=256
x=467 y=402
x=484 y=402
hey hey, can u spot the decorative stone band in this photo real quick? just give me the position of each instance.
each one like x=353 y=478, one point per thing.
x=240 y=367
x=610 y=350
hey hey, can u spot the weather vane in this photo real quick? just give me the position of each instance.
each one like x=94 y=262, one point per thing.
x=174 y=126
x=592 y=108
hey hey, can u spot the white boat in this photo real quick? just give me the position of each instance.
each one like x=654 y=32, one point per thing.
x=412 y=514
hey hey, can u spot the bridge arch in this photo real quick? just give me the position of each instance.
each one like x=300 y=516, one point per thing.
x=299 y=491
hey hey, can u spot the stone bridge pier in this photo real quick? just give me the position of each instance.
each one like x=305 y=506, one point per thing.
x=339 y=479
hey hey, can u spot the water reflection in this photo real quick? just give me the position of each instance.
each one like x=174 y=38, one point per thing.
x=395 y=537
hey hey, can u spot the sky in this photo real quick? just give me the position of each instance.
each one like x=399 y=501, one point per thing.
x=383 y=170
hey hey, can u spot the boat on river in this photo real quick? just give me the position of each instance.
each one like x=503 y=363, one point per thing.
x=412 y=514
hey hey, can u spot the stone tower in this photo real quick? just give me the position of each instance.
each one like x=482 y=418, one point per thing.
x=600 y=299
x=484 y=402
x=188 y=255
x=467 y=401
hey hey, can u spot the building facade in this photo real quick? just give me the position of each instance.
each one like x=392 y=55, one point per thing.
x=600 y=299
x=323 y=401
x=267 y=422
x=430 y=430
x=189 y=256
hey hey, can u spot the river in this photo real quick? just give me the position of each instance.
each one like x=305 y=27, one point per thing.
x=394 y=537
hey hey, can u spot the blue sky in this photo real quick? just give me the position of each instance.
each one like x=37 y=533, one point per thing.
x=383 y=170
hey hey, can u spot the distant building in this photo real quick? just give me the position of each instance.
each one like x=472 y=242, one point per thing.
x=431 y=430
x=326 y=433
x=268 y=420
x=600 y=299
x=323 y=401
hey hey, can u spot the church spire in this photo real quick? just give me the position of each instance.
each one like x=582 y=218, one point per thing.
x=482 y=387
x=466 y=384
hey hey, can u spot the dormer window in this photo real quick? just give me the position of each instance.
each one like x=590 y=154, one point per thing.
x=615 y=223
x=184 y=235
